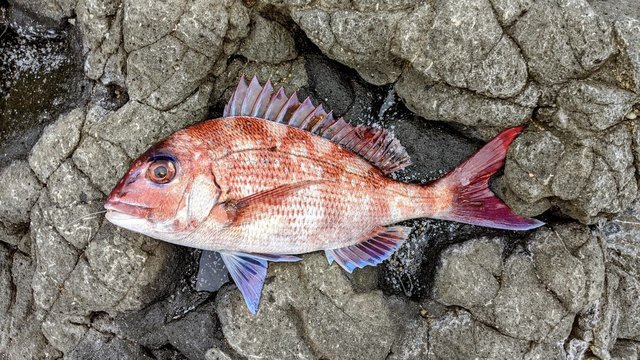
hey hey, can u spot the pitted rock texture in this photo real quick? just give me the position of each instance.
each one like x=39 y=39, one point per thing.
x=74 y=286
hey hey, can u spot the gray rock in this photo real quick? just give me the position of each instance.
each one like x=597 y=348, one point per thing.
x=572 y=173
x=118 y=273
x=299 y=312
x=625 y=350
x=101 y=26
x=468 y=273
x=23 y=331
x=590 y=35
x=53 y=10
x=471 y=52
x=524 y=308
x=216 y=354
x=136 y=126
x=203 y=26
x=531 y=165
x=558 y=269
x=359 y=39
x=591 y=106
x=5 y=297
x=19 y=191
x=195 y=333
x=626 y=31
x=68 y=186
x=445 y=103
x=164 y=73
x=56 y=257
x=268 y=42
x=570 y=39
x=509 y=11
x=141 y=26
x=457 y=335
x=103 y=162
x=56 y=143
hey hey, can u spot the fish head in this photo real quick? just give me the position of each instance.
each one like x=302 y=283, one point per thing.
x=166 y=193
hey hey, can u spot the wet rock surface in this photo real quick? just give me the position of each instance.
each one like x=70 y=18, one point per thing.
x=86 y=86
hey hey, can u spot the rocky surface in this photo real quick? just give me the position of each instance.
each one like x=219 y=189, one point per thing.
x=88 y=85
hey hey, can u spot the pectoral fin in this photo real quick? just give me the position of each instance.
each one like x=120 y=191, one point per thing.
x=232 y=211
x=376 y=247
x=248 y=271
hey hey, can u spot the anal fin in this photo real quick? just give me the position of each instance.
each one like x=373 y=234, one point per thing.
x=376 y=247
x=248 y=271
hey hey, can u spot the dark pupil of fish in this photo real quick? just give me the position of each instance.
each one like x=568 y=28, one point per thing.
x=160 y=172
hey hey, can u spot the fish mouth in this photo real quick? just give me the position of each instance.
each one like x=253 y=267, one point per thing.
x=119 y=210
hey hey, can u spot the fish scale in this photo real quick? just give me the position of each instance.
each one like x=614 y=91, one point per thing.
x=276 y=177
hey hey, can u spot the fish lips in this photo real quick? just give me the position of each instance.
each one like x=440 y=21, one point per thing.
x=118 y=211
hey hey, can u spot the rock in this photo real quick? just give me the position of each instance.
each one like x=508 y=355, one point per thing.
x=628 y=74
x=570 y=39
x=268 y=42
x=57 y=142
x=591 y=106
x=184 y=320
x=216 y=354
x=101 y=25
x=68 y=186
x=524 y=308
x=90 y=158
x=359 y=39
x=141 y=27
x=55 y=11
x=625 y=350
x=445 y=103
x=468 y=272
x=458 y=335
x=514 y=296
x=22 y=335
x=531 y=164
x=203 y=26
x=560 y=272
x=5 y=297
x=118 y=273
x=19 y=191
x=572 y=173
x=299 y=312
x=470 y=52
x=165 y=72
x=195 y=333
x=212 y=273
x=136 y=126
x=509 y=11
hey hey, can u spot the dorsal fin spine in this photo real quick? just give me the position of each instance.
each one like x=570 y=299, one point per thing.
x=235 y=107
x=301 y=113
x=375 y=145
x=260 y=108
x=319 y=111
x=250 y=98
x=293 y=101
x=275 y=105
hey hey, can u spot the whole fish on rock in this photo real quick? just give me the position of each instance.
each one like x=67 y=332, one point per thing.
x=276 y=177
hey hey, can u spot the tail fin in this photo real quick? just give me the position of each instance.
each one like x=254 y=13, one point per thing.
x=473 y=202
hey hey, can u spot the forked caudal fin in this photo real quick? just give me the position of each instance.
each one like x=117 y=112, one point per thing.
x=473 y=202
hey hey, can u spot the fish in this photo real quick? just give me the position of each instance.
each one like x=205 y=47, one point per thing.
x=276 y=177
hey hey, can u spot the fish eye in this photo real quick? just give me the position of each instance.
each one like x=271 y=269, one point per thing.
x=161 y=171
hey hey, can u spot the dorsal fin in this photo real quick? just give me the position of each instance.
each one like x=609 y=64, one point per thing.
x=376 y=145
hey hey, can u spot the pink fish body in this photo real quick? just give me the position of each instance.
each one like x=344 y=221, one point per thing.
x=275 y=177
